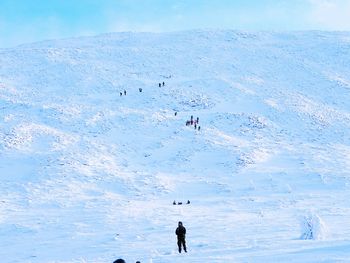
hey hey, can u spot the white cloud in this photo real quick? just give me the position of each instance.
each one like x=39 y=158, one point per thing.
x=331 y=14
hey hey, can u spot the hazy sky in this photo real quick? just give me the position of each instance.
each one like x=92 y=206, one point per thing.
x=23 y=21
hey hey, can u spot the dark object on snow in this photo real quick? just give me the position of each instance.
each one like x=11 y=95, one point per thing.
x=159 y=85
x=197 y=119
x=163 y=84
x=181 y=234
x=195 y=126
x=138 y=262
x=188 y=202
x=191 y=117
x=188 y=123
x=199 y=128
x=175 y=113
x=120 y=93
x=119 y=261
x=174 y=203
x=179 y=203
x=124 y=92
x=140 y=90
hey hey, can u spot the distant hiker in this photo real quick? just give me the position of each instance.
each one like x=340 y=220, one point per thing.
x=191 y=117
x=120 y=93
x=138 y=262
x=174 y=203
x=175 y=113
x=163 y=84
x=119 y=261
x=188 y=202
x=197 y=119
x=191 y=122
x=124 y=92
x=140 y=90
x=195 y=126
x=199 y=128
x=159 y=85
x=181 y=234
x=188 y=123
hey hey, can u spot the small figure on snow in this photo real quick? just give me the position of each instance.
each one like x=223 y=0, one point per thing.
x=120 y=93
x=174 y=203
x=124 y=92
x=179 y=203
x=163 y=84
x=181 y=234
x=195 y=126
x=199 y=128
x=175 y=113
x=119 y=261
x=159 y=85
x=188 y=202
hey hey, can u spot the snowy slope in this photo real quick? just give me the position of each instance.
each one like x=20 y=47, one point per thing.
x=87 y=175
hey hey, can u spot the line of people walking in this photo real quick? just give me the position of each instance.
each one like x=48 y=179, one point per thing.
x=180 y=230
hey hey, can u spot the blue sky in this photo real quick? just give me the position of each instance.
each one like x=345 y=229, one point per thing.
x=23 y=21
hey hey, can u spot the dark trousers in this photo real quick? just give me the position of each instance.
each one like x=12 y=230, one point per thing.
x=181 y=241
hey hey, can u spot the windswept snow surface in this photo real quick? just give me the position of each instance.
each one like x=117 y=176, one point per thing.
x=88 y=175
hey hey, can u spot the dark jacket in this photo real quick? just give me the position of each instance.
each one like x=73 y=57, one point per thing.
x=180 y=232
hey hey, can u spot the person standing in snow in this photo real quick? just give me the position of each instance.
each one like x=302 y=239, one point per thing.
x=181 y=233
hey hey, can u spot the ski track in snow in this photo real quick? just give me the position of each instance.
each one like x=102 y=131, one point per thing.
x=88 y=175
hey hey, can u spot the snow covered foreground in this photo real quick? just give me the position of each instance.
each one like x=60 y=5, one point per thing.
x=87 y=175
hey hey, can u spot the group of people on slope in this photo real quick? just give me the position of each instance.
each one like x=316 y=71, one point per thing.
x=121 y=93
x=180 y=203
x=194 y=122
x=140 y=89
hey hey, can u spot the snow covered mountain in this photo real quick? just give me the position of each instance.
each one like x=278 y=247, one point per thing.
x=89 y=174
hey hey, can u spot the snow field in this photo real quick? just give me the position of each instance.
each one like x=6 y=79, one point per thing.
x=88 y=175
